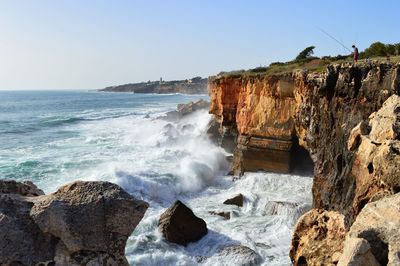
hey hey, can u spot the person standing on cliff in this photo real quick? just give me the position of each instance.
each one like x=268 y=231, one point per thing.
x=355 y=53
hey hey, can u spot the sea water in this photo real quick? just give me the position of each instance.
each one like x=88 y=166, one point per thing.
x=55 y=137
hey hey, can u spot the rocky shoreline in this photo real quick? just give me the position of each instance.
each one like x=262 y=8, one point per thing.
x=195 y=85
x=344 y=124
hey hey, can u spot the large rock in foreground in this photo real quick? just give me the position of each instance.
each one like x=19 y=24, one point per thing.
x=82 y=223
x=179 y=225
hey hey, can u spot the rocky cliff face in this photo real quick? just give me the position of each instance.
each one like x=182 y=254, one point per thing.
x=329 y=106
x=257 y=114
x=327 y=114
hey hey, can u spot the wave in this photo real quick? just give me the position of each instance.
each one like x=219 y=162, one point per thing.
x=53 y=122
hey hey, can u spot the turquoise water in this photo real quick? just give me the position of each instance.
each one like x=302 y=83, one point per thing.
x=44 y=134
x=53 y=138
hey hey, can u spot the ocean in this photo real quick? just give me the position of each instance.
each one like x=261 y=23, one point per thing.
x=55 y=137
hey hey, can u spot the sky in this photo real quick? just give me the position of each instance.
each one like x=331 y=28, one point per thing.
x=74 y=44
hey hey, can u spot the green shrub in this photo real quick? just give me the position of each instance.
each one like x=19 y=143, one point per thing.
x=306 y=53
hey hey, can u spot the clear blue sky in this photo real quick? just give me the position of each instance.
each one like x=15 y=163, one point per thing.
x=88 y=44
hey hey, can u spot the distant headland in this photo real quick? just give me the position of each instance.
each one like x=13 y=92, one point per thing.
x=196 y=85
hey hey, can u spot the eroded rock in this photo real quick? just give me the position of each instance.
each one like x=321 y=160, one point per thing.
x=318 y=238
x=376 y=166
x=179 y=225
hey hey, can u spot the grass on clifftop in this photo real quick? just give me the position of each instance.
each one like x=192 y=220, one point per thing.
x=313 y=65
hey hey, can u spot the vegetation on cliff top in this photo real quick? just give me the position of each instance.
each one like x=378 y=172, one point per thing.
x=305 y=61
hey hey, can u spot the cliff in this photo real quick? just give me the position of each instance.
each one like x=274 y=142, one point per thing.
x=278 y=122
x=195 y=85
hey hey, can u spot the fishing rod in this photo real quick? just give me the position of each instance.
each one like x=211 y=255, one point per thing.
x=336 y=40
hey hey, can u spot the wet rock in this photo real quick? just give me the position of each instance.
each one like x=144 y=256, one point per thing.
x=236 y=200
x=172 y=116
x=235 y=255
x=186 y=109
x=187 y=128
x=225 y=215
x=179 y=225
x=378 y=225
x=83 y=223
x=170 y=131
x=288 y=209
x=318 y=238
x=25 y=188
x=213 y=131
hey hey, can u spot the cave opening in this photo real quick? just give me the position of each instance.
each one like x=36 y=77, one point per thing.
x=300 y=160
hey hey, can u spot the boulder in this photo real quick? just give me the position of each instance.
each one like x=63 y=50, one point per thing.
x=235 y=255
x=375 y=234
x=186 y=109
x=225 y=215
x=318 y=238
x=290 y=210
x=179 y=225
x=236 y=200
x=83 y=223
x=213 y=131
x=90 y=216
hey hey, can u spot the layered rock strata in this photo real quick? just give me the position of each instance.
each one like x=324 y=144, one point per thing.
x=256 y=117
x=83 y=223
